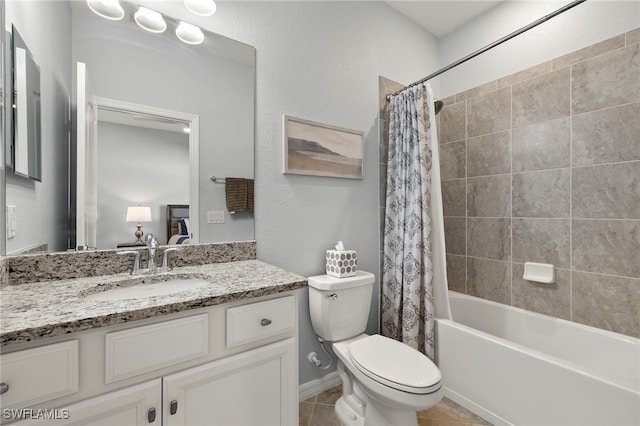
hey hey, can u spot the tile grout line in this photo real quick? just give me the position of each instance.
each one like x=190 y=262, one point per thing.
x=605 y=275
x=600 y=110
x=606 y=219
x=511 y=193
x=611 y=163
x=571 y=68
x=568 y=269
x=313 y=409
x=466 y=196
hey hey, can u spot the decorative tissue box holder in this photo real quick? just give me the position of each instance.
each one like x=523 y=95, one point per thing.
x=342 y=264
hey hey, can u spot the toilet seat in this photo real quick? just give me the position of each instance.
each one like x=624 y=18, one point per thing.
x=395 y=364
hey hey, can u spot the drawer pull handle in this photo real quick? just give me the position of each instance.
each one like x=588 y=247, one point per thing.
x=173 y=407
x=151 y=415
x=4 y=388
x=265 y=322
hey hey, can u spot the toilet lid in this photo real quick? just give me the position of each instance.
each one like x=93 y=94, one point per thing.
x=395 y=364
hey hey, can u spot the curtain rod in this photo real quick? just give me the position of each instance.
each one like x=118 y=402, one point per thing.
x=491 y=46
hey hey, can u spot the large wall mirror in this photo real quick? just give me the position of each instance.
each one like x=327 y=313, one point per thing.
x=144 y=121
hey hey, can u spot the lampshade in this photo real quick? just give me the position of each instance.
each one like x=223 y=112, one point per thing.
x=189 y=34
x=150 y=20
x=109 y=9
x=201 y=7
x=138 y=214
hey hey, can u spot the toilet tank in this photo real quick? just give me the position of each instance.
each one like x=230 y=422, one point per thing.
x=339 y=307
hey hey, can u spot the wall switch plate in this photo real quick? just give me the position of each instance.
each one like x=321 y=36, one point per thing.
x=11 y=221
x=215 y=216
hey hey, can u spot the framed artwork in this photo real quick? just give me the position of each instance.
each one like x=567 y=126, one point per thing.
x=318 y=149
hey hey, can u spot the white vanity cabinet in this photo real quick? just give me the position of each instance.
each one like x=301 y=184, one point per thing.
x=137 y=405
x=40 y=374
x=253 y=388
x=228 y=364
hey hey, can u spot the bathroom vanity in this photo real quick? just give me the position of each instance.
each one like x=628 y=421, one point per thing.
x=223 y=352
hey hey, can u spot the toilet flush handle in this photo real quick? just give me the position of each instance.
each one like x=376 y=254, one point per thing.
x=332 y=296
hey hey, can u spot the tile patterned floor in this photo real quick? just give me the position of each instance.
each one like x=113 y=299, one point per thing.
x=318 y=411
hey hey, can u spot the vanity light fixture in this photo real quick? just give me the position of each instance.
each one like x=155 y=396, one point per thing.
x=186 y=129
x=201 y=7
x=138 y=214
x=108 y=9
x=189 y=34
x=150 y=20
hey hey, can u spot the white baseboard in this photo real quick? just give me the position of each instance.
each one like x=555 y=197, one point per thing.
x=316 y=386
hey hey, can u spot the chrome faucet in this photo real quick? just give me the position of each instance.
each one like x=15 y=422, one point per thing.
x=164 y=267
x=152 y=247
x=136 y=261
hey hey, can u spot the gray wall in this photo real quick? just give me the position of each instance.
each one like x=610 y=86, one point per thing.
x=585 y=24
x=138 y=166
x=317 y=61
x=42 y=206
x=544 y=166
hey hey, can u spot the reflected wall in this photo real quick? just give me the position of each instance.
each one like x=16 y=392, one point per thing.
x=42 y=207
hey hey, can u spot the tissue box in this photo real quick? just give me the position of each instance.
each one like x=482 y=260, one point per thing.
x=342 y=264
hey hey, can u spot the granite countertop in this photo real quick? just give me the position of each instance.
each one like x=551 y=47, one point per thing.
x=45 y=309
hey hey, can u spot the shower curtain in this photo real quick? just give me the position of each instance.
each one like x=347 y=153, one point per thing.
x=414 y=284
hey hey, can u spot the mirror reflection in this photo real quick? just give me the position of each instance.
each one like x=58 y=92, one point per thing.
x=150 y=142
x=25 y=147
x=140 y=157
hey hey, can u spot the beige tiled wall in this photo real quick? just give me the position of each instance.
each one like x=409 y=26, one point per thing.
x=544 y=166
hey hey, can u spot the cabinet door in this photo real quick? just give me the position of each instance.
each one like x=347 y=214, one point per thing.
x=257 y=387
x=126 y=407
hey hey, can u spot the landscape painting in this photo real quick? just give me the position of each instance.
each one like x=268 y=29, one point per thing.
x=321 y=150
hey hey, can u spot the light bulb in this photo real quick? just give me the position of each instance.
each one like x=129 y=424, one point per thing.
x=150 y=20
x=201 y=7
x=189 y=34
x=108 y=9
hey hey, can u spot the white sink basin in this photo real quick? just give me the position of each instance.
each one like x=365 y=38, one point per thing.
x=139 y=291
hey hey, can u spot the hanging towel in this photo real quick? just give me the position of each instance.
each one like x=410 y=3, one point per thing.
x=250 y=194
x=239 y=192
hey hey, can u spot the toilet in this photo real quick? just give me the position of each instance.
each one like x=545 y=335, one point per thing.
x=384 y=382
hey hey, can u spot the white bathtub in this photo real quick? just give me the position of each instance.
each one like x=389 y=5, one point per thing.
x=512 y=366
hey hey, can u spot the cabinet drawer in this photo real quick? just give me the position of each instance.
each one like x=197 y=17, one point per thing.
x=257 y=321
x=140 y=350
x=39 y=374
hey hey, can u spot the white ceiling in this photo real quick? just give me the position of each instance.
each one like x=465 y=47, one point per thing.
x=443 y=16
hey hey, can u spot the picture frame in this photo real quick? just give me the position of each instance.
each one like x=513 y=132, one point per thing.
x=318 y=149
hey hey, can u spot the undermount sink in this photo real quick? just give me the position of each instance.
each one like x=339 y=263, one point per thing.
x=140 y=291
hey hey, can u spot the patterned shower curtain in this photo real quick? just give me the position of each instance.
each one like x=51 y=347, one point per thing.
x=407 y=275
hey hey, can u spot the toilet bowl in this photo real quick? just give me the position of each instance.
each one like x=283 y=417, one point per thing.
x=384 y=382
